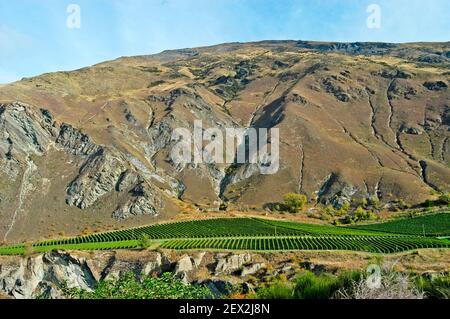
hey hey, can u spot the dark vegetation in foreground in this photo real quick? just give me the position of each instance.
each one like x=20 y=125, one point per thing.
x=306 y=285
x=356 y=285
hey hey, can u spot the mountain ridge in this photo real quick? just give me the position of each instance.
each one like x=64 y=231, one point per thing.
x=356 y=120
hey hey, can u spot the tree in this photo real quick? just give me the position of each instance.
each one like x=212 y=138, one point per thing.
x=145 y=242
x=294 y=202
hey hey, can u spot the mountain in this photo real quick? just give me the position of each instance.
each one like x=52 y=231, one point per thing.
x=91 y=149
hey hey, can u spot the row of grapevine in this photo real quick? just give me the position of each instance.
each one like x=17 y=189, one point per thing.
x=369 y=244
x=223 y=227
x=320 y=230
x=12 y=250
x=428 y=225
x=240 y=234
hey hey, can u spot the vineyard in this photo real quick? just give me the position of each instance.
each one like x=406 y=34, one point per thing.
x=376 y=244
x=239 y=234
x=430 y=225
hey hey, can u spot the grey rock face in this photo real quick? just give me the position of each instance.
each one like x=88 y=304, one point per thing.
x=413 y=130
x=252 y=269
x=231 y=263
x=23 y=132
x=184 y=265
x=97 y=177
x=44 y=275
x=75 y=142
x=160 y=136
x=336 y=191
x=144 y=201
x=153 y=267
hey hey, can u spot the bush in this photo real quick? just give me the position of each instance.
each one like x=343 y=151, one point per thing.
x=391 y=285
x=324 y=286
x=309 y=286
x=344 y=209
x=445 y=199
x=360 y=214
x=375 y=202
x=28 y=249
x=277 y=290
x=437 y=287
x=294 y=202
x=128 y=287
x=145 y=242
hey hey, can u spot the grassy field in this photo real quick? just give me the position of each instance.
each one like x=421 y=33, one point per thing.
x=435 y=225
x=240 y=234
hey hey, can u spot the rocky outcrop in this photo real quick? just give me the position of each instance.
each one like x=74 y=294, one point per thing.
x=44 y=275
x=75 y=142
x=144 y=200
x=98 y=176
x=160 y=136
x=331 y=86
x=349 y=48
x=230 y=263
x=336 y=191
x=435 y=86
x=24 y=131
x=252 y=269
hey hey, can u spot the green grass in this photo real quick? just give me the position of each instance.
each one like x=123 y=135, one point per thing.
x=436 y=225
x=12 y=250
x=239 y=234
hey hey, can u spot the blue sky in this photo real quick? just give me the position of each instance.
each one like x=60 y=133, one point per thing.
x=34 y=37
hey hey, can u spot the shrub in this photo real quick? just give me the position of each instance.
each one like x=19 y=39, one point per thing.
x=145 y=241
x=277 y=290
x=360 y=214
x=436 y=287
x=28 y=249
x=344 y=209
x=309 y=286
x=375 y=201
x=364 y=202
x=324 y=286
x=445 y=199
x=330 y=210
x=128 y=287
x=294 y=202
x=429 y=204
x=392 y=285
